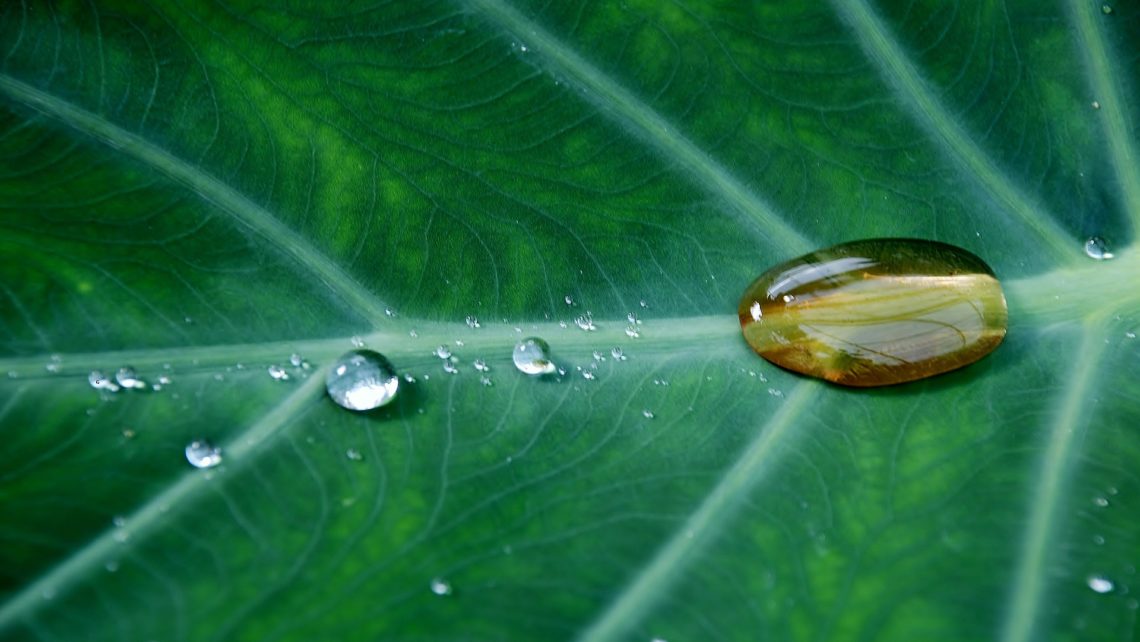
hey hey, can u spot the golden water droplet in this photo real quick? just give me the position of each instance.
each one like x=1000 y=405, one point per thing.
x=875 y=312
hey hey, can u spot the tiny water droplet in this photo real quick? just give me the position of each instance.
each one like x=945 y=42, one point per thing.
x=568 y=300
x=643 y=304
x=618 y=354
x=532 y=356
x=775 y=393
x=409 y=378
x=127 y=378
x=357 y=342
x=295 y=360
x=389 y=312
x=450 y=368
x=632 y=332
x=202 y=454
x=473 y=323
x=1106 y=9
x=53 y=367
x=99 y=381
x=481 y=365
x=440 y=586
x=1096 y=104
x=598 y=356
x=362 y=380
x=413 y=334
x=354 y=454
x=486 y=381
x=589 y=375
x=586 y=322
x=1098 y=540
x=1097 y=248
x=119 y=521
x=1100 y=583
x=278 y=373
x=648 y=414
x=1100 y=501
x=443 y=352
x=164 y=380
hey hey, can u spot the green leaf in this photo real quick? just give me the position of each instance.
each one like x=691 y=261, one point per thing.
x=200 y=190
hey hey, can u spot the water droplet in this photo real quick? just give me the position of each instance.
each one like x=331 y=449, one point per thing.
x=443 y=352
x=389 y=312
x=450 y=368
x=618 y=354
x=532 y=356
x=1097 y=248
x=648 y=414
x=643 y=304
x=486 y=381
x=598 y=356
x=775 y=393
x=481 y=365
x=413 y=334
x=296 y=360
x=278 y=373
x=875 y=312
x=568 y=300
x=440 y=586
x=632 y=332
x=473 y=323
x=53 y=367
x=99 y=381
x=1100 y=583
x=1098 y=540
x=632 y=319
x=409 y=378
x=362 y=380
x=202 y=454
x=354 y=454
x=1106 y=9
x=1130 y=334
x=589 y=375
x=1096 y=104
x=357 y=342
x=1100 y=501
x=164 y=380
x=586 y=322
x=127 y=378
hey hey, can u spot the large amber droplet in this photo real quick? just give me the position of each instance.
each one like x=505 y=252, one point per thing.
x=875 y=312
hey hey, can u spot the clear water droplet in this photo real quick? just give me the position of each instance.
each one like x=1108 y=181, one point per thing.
x=112 y=566
x=1100 y=501
x=362 y=380
x=278 y=373
x=440 y=586
x=775 y=393
x=357 y=342
x=1106 y=9
x=1100 y=584
x=202 y=454
x=632 y=332
x=648 y=414
x=450 y=368
x=618 y=354
x=127 y=378
x=296 y=360
x=486 y=381
x=389 y=312
x=53 y=367
x=568 y=300
x=598 y=356
x=100 y=381
x=481 y=365
x=643 y=304
x=532 y=356
x=409 y=378
x=1097 y=248
x=164 y=380
x=1098 y=540
x=354 y=454
x=586 y=322
x=473 y=323
x=443 y=352
x=413 y=334
x=589 y=375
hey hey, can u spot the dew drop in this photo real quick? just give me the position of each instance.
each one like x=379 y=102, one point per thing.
x=354 y=454
x=296 y=360
x=589 y=375
x=481 y=365
x=486 y=381
x=1106 y=9
x=632 y=332
x=100 y=381
x=648 y=414
x=443 y=352
x=532 y=356
x=618 y=354
x=1100 y=501
x=568 y=299
x=586 y=323
x=875 y=312
x=450 y=368
x=1100 y=583
x=202 y=454
x=1097 y=248
x=440 y=586
x=127 y=378
x=473 y=323
x=278 y=373
x=362 y=380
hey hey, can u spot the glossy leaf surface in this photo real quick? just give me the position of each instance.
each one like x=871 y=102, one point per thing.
x=200 y=190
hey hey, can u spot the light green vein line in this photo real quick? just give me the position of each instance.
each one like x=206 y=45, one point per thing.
x=82 y=562
x=704 y=525
x=1110 y=96
x=893 y=65
x=208 y=187
x=1028 y=590
x=641 y=119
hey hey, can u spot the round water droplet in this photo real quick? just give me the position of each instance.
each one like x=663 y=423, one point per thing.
x=202 y=454
x=1097 y=248
x=473 y=323
x=875 y=312
x=450 y=368
x=100 y=381
x=1100 y=584
x=440 y=586
x=127 y=378
x=481 y=365
x=443 y=352
x=278 y=373
x=586 y=323
x=296 y=360
x=618 y=354
x=648 y=414
x=362 y=380
x=1100 y=501
x=632 y=332
x=354 y=454
x=532 y=356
